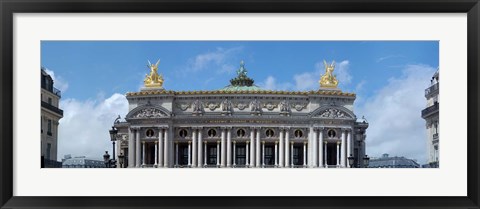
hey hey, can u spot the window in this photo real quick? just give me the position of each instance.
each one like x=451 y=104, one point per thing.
x=49 y=127
x=298 y=133
x=49 y=147
x=183 y=133
x=212 y=133
x=49 y=100
x=241 y=133
x=331 y=133
x=150 y=133
x=269 y=133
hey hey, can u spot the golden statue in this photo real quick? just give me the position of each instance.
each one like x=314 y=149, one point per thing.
x=153 y=79
x=328 y=80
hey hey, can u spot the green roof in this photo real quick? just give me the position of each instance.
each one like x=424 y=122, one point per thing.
x=241 y=88
x=242 y=82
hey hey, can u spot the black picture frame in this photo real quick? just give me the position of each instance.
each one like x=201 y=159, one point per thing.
x=10 y=7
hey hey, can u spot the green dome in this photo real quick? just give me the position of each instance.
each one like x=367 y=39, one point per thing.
x=242 y=82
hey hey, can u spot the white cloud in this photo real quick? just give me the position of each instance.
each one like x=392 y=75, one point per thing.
x=343 y=75
x=306 y=81
x=83 y=130
x=271 y=83
x=388 y=57
x=395 y=123
x=216 y=60
x=58 y=82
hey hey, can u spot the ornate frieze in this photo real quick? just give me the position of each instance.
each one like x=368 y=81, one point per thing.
x=149 y=113
x=333 y=113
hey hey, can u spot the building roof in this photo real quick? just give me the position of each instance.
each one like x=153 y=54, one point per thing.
x=392 y=162
x=241 y=84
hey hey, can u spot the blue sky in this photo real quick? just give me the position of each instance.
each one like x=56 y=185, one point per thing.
x=389 y=78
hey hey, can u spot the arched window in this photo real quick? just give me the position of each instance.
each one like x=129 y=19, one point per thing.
x=298 y=133
x=212 y=133
x=240 y=133
x=183 y=133
x=269 y=133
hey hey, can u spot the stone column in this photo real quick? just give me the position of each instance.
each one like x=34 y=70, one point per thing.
x=281 y=157
x=338 y=153
x=189 y=153
x=252 y=147
x=143 y=153
x=200 y=152
x=314 y=146
x=320 y=148
x=247 y=161
x=229 y=147
x=343 y=159
x=223 y=152
x=160 y=148
x=218 y=153
x=287 y=148
x=291 y=155
x=131 y=148
x=166 y=147
x=176 y=154
x=257 y=157
x=263 y=154
x=234 y=153
x=194 y=148
x=325 y=155
x=310 y=148
x=349 y=145
x=156 y=153
x=304 y=154
x=205 y=154
x=276 y=153
x=138 y=151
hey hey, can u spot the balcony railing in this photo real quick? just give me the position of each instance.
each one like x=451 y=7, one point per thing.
x=429 y=110
x=57 y=92
x=52 y=108
x=430 y=90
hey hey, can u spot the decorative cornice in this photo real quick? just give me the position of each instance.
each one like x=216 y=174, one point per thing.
x=201 y=92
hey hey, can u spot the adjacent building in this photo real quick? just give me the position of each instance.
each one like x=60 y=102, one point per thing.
x=392 y=162
x=81 y=162
x=50 y=115
x=240 y=126
x=431 y=116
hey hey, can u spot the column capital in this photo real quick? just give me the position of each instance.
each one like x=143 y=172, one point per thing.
x=234 y=141
x=292 y=142
x=325 y=142
x=339 y=142
x=229 y=127
x=218 y=142
x=248 y=142
x=189 y=142
x=305 y=142
x=205 y=142
x=276 y=142
x=156 y=142
x=176 y=142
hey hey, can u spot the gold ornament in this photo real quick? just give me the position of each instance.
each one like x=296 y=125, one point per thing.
x=153 y=79
x=328 y=80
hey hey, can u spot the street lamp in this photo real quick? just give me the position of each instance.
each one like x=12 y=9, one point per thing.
x=113 y=138
x=121 y=158
x=366 y=160
x=351 y=161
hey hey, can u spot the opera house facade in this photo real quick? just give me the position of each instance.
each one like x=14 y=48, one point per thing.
x=241 y=126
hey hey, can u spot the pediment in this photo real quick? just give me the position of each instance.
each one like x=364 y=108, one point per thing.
x=147 y=112
x=333 y=113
